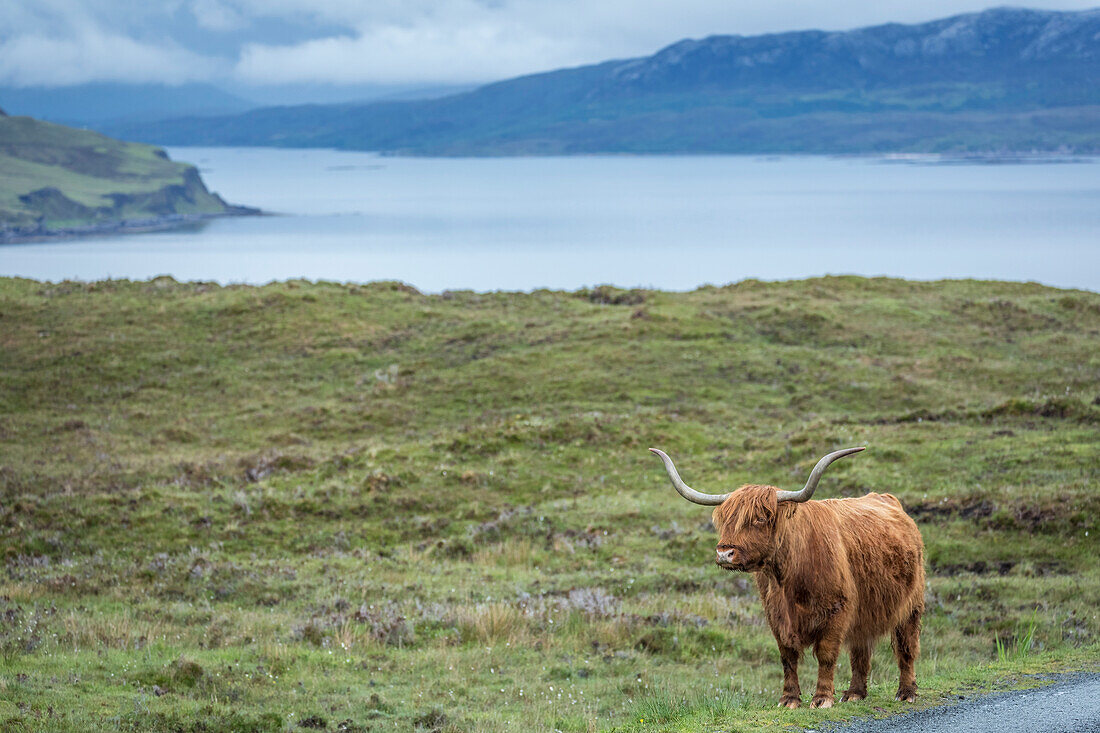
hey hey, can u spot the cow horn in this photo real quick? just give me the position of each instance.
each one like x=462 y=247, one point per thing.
x=815 y=476
x=683 y=489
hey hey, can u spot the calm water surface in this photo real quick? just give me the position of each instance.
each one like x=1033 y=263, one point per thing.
x=666 y=222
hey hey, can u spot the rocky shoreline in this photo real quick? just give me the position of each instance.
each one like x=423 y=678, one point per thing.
x=39 y=233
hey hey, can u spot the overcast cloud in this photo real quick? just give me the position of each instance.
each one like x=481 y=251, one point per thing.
x=260 y=42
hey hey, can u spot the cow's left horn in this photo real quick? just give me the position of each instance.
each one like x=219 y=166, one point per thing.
x=686 y=491
x=815 y=476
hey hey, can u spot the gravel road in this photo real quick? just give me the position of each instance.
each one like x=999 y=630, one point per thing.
x=1071 y=705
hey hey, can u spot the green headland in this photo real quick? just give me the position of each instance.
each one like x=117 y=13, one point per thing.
x=57 y=180
x=337 y=507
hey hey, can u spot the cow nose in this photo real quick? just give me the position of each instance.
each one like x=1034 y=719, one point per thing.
x=725 y=555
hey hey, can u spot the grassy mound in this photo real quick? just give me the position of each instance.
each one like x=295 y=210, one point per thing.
x=336 y=507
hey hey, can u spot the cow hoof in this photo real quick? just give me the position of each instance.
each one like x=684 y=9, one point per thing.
x=853 y=696
x=789 y=702
x=906 y=696
x=821 y=701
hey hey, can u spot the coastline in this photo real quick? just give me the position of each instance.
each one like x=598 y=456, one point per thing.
x=26 y=235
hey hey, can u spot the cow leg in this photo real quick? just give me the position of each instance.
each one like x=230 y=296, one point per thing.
x=827 y=650
x=860 y=653
x=906 y=644
x=792 y=693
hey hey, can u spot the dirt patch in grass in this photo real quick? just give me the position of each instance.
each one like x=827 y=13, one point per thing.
x=1054 y=408
x=1002 y=567
x=1052 y=517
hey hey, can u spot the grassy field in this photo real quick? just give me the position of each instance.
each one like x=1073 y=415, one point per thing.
x=332 y=507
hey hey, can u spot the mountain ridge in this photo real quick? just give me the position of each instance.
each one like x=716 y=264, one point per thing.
x=97 y=103
x=1000 y=79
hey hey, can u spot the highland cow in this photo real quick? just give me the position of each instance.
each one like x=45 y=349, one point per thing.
x=830 y=573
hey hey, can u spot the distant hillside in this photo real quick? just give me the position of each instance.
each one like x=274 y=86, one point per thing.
x=97 y=103
x=1003 y=79
x=58 y=180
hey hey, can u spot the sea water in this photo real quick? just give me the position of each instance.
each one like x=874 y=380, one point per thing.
x=671 y=222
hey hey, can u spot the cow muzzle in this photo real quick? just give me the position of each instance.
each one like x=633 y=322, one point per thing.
x=727 y=558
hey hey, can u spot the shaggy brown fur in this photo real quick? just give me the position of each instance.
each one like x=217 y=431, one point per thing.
x=830 y=573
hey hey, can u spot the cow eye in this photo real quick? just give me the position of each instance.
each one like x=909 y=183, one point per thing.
x=762 y=520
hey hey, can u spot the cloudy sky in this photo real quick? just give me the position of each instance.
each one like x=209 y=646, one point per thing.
x=388 y=42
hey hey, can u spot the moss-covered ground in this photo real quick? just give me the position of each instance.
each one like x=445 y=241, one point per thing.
x=338 y=507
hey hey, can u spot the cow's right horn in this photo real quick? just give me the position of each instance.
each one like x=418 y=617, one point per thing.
x=815 y=476
x=686 y=491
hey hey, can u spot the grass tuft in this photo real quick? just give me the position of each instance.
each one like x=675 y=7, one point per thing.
x=1019 y=645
